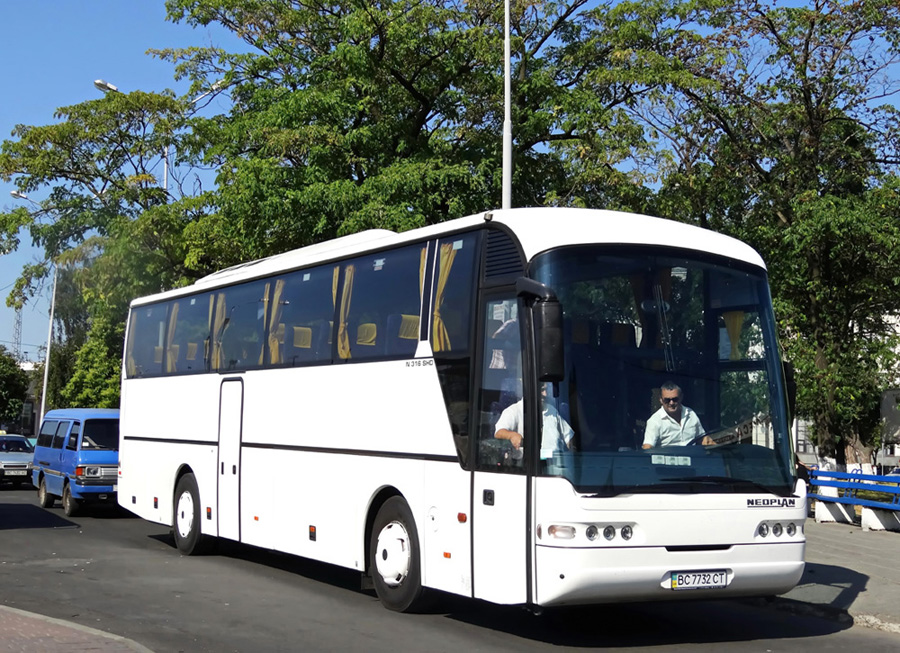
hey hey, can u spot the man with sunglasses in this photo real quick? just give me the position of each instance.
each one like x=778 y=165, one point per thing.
x=674 y=424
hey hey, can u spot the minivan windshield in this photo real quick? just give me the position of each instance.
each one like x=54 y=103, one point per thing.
x=673 y=378
x=101 y=434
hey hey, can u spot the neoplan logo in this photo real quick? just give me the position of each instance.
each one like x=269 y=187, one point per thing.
x=772 y=503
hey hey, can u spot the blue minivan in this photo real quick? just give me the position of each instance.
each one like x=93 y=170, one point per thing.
x=76 y=457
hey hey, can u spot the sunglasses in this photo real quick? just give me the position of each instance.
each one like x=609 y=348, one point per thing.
x=671 y=400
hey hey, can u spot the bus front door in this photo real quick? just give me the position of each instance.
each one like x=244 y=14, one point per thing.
x=231 y=408
x=500 y=497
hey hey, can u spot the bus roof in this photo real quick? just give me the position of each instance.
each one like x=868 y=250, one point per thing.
x=537 y=229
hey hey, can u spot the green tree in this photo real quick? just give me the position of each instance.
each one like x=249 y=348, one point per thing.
x=778 y=129
x=13 y=387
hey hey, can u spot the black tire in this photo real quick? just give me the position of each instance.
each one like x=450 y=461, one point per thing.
x=186 y=518
x=45 y=498
x=394 y=558
x=70 y=504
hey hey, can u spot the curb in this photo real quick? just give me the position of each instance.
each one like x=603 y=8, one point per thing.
x=85 y=630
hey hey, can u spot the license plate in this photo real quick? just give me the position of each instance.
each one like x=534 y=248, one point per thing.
x=16 y=472
x=698 y=580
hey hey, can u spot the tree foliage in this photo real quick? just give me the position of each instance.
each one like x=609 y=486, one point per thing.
x=13 y=386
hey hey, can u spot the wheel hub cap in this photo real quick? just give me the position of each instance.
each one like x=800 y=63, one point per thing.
x=184 y=514
x=392 y=557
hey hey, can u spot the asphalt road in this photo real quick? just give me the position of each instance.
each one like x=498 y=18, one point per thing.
x=111 y=571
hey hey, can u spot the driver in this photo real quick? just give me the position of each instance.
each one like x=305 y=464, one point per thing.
x=674 y=424
x=557 y=435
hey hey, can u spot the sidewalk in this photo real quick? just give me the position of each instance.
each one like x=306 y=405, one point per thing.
x=850 y=574
x=27 y=632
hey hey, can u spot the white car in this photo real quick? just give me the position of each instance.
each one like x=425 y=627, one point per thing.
x=16 y=454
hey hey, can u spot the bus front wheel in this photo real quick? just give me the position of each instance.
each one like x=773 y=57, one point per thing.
x=394 y=559
x=186 y=524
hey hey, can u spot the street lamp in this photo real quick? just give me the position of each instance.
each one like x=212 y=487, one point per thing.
x=22 y=196
x=106 y=87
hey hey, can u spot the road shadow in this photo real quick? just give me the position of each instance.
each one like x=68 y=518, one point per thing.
x=25 y=516
x=826 y=588
x=613 y=625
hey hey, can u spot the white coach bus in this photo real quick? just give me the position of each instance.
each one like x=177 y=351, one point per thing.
x=341 y=402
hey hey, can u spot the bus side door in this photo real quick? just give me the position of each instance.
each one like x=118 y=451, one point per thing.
x=231 y=409
x=499 y=492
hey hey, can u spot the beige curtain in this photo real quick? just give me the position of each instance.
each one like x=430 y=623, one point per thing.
x=218 y=324
x=274 y=320
x=441 y=338
x=343 y=336
x=734 y=321
x=171 y=348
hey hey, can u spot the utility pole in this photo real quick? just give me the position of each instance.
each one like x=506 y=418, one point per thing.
x=17 y=336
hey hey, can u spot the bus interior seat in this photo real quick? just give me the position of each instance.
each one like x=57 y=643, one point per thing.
x=158 y=355
x=402 y=334
x=367 y=334
x=299 y=347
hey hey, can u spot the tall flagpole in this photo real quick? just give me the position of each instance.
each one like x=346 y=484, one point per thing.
x=507 y=116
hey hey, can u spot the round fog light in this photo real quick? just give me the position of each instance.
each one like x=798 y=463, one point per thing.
x=627 y=532
x=609 y=532
x=763 y=530
x=592 y=532
x=791 y=529
x=777 y=530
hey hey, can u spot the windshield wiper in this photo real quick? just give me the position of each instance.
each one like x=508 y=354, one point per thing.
x=725 y=480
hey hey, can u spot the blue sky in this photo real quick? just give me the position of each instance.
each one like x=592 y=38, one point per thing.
x=52 y=51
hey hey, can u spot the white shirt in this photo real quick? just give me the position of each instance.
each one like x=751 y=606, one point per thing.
x=663 y=431
x=556 y=434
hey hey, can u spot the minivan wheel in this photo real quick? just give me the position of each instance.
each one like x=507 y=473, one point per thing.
x=70 y=503
x=44 y=498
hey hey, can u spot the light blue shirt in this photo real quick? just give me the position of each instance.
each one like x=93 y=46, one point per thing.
x=663 y=431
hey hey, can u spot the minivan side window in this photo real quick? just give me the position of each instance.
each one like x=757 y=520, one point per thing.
x=73 y=436
x=48 y=430
x=61 y=431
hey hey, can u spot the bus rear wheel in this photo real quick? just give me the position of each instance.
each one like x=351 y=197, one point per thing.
x=394 y=558
x=44 y=498
x=186 y=522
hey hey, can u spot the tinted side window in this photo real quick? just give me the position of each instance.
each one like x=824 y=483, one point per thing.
x=48 y=430
x=146 y=339
x=301 y=318
x=187 y=341
x=453 y=293
x=101 y=434
x=380 y=304
x=239 y=326
x=59 y=437
x=73 y=436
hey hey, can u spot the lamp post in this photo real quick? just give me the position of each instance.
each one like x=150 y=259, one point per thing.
x=507 y=114
x=22 y=196
x=106 y=87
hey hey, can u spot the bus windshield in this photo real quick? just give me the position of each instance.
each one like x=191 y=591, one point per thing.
x=673 y=378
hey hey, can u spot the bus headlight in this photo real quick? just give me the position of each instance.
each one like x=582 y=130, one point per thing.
x=592 y=532
x=627 y=532
x=763 y=530
x=791 y=529
x=777 y=530
x=609 y=532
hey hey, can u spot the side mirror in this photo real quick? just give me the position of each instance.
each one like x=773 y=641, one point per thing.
x=547 y=319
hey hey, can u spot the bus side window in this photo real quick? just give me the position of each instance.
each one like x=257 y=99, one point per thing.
x=304 y=305
x=146 y=338
x=375 y=287
x=239 y=323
